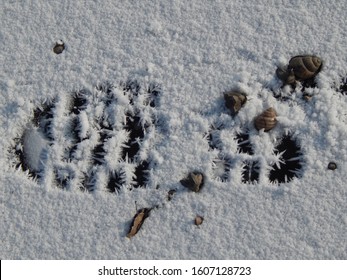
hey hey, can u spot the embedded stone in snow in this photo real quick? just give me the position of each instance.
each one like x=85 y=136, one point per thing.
x=198 y=220
x=59 y=47
x=332 y=165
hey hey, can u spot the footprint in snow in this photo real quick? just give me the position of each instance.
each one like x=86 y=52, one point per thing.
x=93 y=139
x=285 y=168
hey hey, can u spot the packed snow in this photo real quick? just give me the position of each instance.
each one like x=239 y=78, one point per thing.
x=152 y=75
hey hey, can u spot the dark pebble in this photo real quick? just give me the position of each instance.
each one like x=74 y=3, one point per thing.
x=332 y=166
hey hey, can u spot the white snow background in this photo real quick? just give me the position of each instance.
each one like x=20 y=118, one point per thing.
x=195 y=50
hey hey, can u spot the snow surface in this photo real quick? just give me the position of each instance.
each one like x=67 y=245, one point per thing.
x=34 y=145
x=195 y=50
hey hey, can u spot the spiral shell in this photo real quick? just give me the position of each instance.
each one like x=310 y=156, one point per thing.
x=266 y=120
x=305 y=66
x=234 y=101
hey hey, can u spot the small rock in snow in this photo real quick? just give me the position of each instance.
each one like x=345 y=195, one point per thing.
x=332 y=165
x=59 y=47
x=198 y=220
x=194 y=181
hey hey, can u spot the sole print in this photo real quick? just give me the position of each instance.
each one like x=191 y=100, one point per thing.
x=287 y=166
x=287 y=159
x=96 y=139
x=281 y=164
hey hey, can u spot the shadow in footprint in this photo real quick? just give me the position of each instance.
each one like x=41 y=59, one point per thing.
x=115 y=183
x=343 y=86
x=141 y=173
x=213 y=136
x=136 y=134
x=99 y=152
x=63 y=177
x=290 y=161
x=20 y=159
x=243 y=143
x=43 y=118
x=79 y=101
x=250 y=173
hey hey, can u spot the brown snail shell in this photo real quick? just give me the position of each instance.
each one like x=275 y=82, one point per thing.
x=300 y=68
x=234 y=101
x=266 y=120
x=305 y=66
x=194 y=181
x=59 y=47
